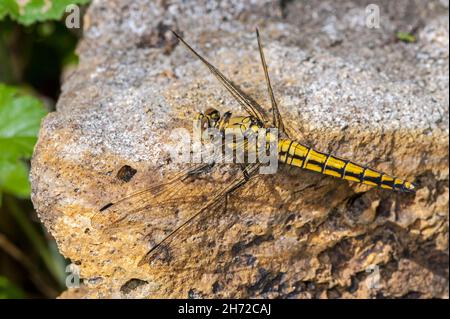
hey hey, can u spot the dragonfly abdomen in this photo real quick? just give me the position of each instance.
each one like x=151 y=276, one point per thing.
x=296 y=154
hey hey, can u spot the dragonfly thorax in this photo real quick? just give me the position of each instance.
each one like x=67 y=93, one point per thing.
x=212 y=118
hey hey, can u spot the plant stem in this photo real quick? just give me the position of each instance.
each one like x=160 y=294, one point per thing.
x=15 y=253
x=35 y=239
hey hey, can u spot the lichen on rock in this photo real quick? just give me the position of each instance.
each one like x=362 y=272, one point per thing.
x=342 y=87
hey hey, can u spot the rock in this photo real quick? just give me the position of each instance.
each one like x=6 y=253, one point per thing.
x=342 y=87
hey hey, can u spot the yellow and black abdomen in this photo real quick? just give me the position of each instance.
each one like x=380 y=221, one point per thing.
x=296 y=154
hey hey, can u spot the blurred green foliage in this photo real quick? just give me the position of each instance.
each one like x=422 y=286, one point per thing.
x=35 y=49
x=20 y=117
x=34 y=56
x=28 y=12
x=8 y=290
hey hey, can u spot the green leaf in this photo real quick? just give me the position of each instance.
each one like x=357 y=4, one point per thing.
x=14 y=177
x=20 y=118
x=28 y=12
x=3 y=11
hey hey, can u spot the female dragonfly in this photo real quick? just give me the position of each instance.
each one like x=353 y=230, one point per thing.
x=289 y=152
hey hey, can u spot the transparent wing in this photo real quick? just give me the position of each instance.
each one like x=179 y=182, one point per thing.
x=180 y=189
x=277 y=119
x=210 y=206
x=249 y=105
x=158 y=200
x=162 y=211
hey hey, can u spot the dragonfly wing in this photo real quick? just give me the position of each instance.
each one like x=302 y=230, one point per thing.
x=277 y=119
x=249 y=105
x=159 y=198
x=209 y=207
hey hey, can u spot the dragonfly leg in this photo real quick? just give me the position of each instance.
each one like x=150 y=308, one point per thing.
x=225 y=205
x=244 y=169
x=202 y=169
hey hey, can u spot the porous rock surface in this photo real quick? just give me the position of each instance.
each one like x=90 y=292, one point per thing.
x=342 y=87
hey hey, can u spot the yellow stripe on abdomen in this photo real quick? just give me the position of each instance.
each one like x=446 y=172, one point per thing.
x=296 y=154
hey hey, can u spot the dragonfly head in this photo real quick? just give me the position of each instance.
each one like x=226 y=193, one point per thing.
x=208 y=119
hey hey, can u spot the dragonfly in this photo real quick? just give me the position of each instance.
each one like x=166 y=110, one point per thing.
x=170 y=195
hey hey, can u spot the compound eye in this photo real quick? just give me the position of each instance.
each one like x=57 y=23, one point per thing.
x=213 y=114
